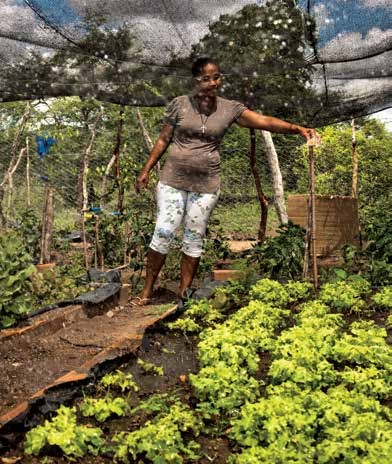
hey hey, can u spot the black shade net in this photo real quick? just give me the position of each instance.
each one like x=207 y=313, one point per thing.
x=314 y=61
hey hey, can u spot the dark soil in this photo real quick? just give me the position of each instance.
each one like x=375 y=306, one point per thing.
x=177 y=355
x=31 y=361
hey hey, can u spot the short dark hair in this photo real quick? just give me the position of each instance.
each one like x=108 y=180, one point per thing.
x=199 y=63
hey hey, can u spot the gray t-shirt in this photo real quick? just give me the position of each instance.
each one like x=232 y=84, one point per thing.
x=193 y=159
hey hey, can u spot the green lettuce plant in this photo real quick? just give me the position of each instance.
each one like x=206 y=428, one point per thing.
x=383 y=298
x=63 y=432
x=119 y=379
x=103 y=408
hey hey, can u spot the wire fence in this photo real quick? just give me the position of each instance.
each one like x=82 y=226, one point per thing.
x=93 y=177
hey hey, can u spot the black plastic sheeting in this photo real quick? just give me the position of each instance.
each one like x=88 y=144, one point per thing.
x=138 y=53
x=97 y=296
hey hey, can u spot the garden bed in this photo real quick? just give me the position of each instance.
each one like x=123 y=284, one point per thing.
x=62 y=340
x=259 y=374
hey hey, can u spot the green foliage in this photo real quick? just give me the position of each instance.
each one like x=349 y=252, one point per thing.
x=270 y=292
x=228 y=356
x=364 y=345
x=268 y=42
x=149 y=368
x=345 y=296
x=157 y=403
x=354 y=428
x=103 y=408
x=29 y=230
x=215 y=248
x=186 y=325
x=313 y=410
x=281 y=257
x=333 y=167
x=15 y=270
x=63 y=432
x=368 y=380
x=383 y=298
x=119 y=379
x=160 y=440
x=299 y=291
x=48 y=287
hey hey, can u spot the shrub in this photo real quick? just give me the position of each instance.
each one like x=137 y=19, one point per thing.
x=15 y=270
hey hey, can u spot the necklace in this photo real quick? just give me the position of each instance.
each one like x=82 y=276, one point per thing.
x=203 y=124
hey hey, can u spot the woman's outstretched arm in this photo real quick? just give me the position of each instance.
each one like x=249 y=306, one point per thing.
x=157 y=151
x=253 y=120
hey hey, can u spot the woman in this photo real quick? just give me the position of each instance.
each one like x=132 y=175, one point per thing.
x=188 y=188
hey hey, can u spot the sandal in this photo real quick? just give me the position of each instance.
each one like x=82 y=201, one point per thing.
x=137 y=301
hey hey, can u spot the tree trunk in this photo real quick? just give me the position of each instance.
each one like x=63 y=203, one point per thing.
x=277 y=181
x=146 y=137
x=14 y=148
x=116 y=154
x=11 y=178
x=83 y=201
x=105 y=180
x=262 y=198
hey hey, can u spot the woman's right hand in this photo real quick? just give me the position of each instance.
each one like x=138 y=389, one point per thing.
x=141 y=180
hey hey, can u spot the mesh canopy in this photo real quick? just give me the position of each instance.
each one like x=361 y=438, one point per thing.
x=330 y=59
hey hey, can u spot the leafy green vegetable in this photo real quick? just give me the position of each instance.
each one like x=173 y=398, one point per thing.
x=149 y=368
x=346 y=296
x=160 y=440
x=62 y=431
x=383 y=298
x=119 y=379
x=103 y=408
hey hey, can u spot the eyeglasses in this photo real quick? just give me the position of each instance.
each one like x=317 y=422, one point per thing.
x=206 y=79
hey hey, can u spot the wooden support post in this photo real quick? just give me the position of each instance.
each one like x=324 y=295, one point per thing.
x=312 y=205
x=354 y=188
x=262 y=198
x=84 y=241
x=28 y=196
x=126 y=236
x=47 y=225
x=117 y=148
x=98 y=250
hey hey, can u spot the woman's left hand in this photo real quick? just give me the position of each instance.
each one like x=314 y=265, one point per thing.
x=310 y=135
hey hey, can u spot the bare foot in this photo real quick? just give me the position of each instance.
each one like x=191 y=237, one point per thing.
x=139 y=301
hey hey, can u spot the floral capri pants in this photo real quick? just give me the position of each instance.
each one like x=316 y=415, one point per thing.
x=177 y=206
